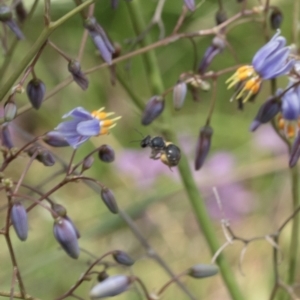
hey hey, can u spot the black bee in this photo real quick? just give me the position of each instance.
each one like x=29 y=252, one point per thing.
x=167 y=152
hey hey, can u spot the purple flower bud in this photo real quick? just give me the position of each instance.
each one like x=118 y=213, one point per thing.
x=19 y=220
x=266 y=112
x=5 y=137
x=72 y=223
x=21 y=12
x=276 y=18
x=55 y=139
x=202 y=271
x=66 y=235
x=203 y=146
x=190 y=4
x=10 y=110
x=6 y=17
x=221 y=16
x=179 y=94
x=100 y=39
x=109 y=200
x=123 y=258
x=154 y=108
x=106 y=153
x=112 y=286
x=36 y=90
x=87 y=163
x=295 y=151
x=78 y=76
x=43 y=155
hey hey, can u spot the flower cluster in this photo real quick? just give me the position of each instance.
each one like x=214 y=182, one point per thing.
x=84 y=125
x=271 y=61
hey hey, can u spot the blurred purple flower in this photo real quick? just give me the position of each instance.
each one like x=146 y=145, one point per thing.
x=291 y=103
x=85 y=125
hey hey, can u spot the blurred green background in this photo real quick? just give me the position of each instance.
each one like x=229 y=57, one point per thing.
x=249 y=169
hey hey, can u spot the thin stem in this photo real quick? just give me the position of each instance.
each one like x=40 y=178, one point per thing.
x=63 y=54
x=168 y=283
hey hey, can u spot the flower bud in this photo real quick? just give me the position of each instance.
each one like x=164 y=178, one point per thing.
x=266 y=112
x=43 y=155
x=123 y=258
x=106 y=154
x=295 y=151
x=221 y=16
x=36 y=91
x=179 y=94
x=19 y=220
x=10 y=110
x=109 y=200
x=87 y=163
x=65 y=234
x=5 y=13
x=190 y=4
x=5 y=137
x=112 y=286
x=55 y=139
x=102 y=276
x=203 y=146
x=153 y=109
x=59 y=209
x=78 y=76
x=276 y=18
x=114 y=3
x=21 y=12
x=6 y=17
x=202 y=271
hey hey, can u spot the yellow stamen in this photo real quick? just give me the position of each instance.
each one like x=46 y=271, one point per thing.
x=241 y=74
x=251 y=87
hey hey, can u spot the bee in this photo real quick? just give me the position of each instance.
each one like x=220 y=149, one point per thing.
x=167 y=152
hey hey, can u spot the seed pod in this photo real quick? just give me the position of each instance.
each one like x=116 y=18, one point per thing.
x=87 y=163
x=202 y=271
x=109 y=200
x=106 y=154
x=19 y=220
x=276 y=18
x=123 y=258
x=179 y=94
x=78 y=76
x=266 y=112
x=153 y=109
x=55 y=139
x=65 y=233
x=36 y=90
x=112 y=286
x=190 y=4
x=295 y=151
x=203 y=146
x=10 y=110
x=5 y=137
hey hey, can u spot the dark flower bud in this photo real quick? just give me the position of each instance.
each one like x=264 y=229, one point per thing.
x=19 y=220
x=114 y=3
x=87 y=163
x=59 y=210
x=190 y=4
x=65 y=234
x=202 y=271
x=276 y=18
x=106 y=153
x=112 y=286
x=78 y=76
x=55 y=139
x=203 y=146
x=179 y=94
x=36 y=90
x=123 y=258
x=100 y=39
x=10 y=110
x=5 y=137
x=295 y=151
x=43 y=155
x=109 y=200
x=21 y=12
x=153 y=109
x=266 y=112
x=102 y=276
x=221 y=16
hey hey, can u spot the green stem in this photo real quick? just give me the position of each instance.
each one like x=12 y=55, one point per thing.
x=191 y=188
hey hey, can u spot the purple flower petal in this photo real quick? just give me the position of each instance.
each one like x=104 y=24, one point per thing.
x=78 y=112
x=76 y=140
x=102 y=47
x=290 y=105
x=67 y=127
x=88 y=128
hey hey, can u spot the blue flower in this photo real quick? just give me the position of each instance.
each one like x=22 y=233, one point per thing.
x=291 y=104
x=270 y=61
x=85 y=125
